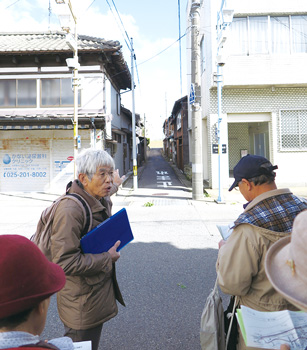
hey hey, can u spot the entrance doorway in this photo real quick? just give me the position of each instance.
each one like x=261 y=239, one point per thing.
x=244 y=138
x=260 y=144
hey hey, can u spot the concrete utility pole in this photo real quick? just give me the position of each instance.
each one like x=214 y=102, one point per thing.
x=197 y=166
x=145 y=141
x=135 y=168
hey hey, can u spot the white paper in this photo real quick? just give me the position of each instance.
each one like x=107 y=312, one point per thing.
x=268 y=330
x=83 y=345
x=225 y=231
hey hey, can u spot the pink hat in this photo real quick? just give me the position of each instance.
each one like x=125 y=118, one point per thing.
x=26 y=276
x=286 y=264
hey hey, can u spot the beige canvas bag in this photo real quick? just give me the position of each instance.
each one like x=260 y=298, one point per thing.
x=212 y=329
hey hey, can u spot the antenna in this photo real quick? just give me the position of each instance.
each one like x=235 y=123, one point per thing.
x=49 y=9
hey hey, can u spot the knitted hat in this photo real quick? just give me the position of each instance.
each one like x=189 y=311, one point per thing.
x=26 y=276
x=286 y=264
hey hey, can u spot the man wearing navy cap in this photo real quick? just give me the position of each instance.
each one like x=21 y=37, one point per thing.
x=267 y=217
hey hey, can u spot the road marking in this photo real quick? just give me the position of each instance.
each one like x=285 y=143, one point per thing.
x=163 y=179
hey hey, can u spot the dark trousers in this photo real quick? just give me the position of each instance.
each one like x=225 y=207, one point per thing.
x=92 y=334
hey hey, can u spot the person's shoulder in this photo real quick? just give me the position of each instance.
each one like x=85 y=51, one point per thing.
x=69 y=204
x=244 y=230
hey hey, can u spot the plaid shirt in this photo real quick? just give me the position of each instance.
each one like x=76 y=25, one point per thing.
x=275 y=213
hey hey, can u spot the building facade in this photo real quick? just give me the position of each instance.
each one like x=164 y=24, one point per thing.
x=37 y=108
x=181 y=139
x=262 y=55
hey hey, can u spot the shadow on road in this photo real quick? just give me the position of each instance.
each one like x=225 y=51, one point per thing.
x=165 y=289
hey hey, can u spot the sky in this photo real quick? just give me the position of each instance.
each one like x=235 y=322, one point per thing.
x=154 y=27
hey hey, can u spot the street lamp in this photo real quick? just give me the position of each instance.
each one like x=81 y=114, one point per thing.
x=224 y=19
x=73 y=64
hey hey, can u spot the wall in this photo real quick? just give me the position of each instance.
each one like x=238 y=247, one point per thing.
x=238 y=139
x=92 y=91
x=256 y=100
x=37 y=161
x=265 y=69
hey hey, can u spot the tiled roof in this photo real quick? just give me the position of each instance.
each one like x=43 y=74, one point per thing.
x=51 y=42
x=51 y=48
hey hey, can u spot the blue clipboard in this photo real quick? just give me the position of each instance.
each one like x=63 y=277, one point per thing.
x=105 y=235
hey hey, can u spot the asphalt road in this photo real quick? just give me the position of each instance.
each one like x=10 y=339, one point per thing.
x=165 y=274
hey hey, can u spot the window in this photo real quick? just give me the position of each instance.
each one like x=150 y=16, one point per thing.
x=239 y=42
x=202 y=54
x=18 y=93
x=268 y=34
x=293 y=130
x=116 y=137
x=280 y=35
x=118 y=101
x=179 y=121
x=258 y=35
x=58 y=92
x=299 y=33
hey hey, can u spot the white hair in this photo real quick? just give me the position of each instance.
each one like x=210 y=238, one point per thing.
x=89 y=159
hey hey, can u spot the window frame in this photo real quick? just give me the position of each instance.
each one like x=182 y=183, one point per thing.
x=60 y=97
x=300 y=122
x=245 y=50
x=18 y=93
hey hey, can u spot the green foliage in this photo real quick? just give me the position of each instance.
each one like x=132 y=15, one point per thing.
x=148 y=204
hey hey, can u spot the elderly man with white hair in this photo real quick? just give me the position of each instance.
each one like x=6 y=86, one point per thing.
x=89 y=297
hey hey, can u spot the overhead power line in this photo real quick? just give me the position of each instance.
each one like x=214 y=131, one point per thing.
x=120 y=28
x=11 y=4
x=159 y=53
x=121 y=21
x=180 y=70
x=90 y=5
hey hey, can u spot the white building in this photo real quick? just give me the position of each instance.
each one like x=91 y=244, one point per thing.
x=37 y=108
x=264 y=94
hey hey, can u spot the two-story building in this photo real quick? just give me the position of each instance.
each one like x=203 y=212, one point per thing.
x=168 y=141
x=180 y=126
x=37 y=108
x=262 y=56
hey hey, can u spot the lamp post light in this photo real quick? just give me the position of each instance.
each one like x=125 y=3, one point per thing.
x=73 y=64
x=224 y=19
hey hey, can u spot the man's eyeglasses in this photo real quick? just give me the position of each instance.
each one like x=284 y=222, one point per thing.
x=107 y=173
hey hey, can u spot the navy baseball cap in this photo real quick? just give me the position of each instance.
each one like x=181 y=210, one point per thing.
x=249 y=167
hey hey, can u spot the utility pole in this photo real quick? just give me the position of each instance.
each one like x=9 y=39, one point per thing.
x=219 y=76
x=197 y=167
x=145 y=141
x=75 y=84
x=134 y=161
x=224 y=19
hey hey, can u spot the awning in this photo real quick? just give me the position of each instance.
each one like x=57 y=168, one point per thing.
x=50 y=121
